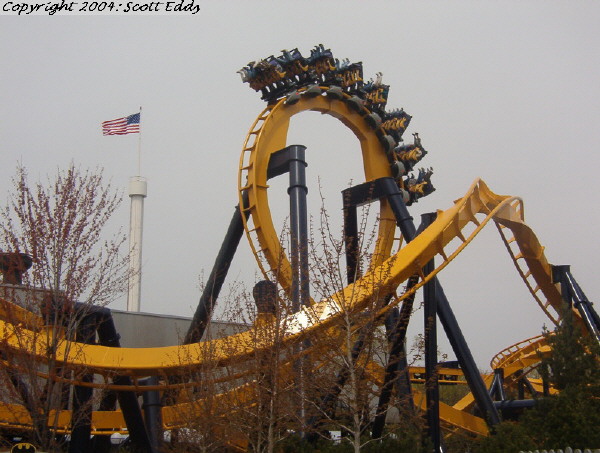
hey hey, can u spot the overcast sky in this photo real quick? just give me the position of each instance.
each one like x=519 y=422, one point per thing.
x=507 y=91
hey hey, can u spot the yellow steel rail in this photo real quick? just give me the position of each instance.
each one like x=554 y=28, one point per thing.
x=408 y=261
x=23 y=334
x=450 y=224
x=267 y=135
x=450 y=416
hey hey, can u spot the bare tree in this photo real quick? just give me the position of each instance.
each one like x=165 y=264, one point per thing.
x=59 y=224
x=261 y=406
x=342 y=394
x=241 y=403
x=199 y=419
x=265 y=400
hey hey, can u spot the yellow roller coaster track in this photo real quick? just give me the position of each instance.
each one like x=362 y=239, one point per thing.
x=434 y=241
x=444 y=239
x=267 y=135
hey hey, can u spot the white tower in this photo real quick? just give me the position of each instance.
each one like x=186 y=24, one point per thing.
x=138 y=190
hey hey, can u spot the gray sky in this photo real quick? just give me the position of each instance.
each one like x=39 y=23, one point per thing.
x=507 y=91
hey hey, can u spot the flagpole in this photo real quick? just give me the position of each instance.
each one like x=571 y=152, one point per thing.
x=138 y=190
x=140 y=145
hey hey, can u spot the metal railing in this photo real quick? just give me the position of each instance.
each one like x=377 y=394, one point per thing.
x=566 y=450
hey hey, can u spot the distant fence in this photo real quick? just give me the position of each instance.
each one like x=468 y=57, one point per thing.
x=566 y=450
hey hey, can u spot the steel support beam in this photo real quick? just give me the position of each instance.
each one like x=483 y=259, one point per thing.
x=397 y=368
x=297 y=192
x=152 y=414
x=352 y=198
x=497 y=387
x=514 y=404
x=574 y=295
x=351 y=243
x=108 y=336
x=217 y=277
x=81 y=419
x=464 y=356
x=432 y=392
x=295 y=155
x=292 y=160
x=396 y=371
x=445 y=313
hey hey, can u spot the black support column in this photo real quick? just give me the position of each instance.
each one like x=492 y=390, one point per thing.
x=396 y=371
x=217 y=277
x=292 y=159
x=152 y=413
x=108 y=336
x=432 y=392
x=81 y=418
x=445 y=313
x=574 y=296
x=298 y=226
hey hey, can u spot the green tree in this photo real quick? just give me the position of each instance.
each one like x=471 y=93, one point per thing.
x=570 y=418
x=573 y=364
x=573 y=416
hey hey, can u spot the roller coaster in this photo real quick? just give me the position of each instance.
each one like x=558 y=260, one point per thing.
x=291 y=84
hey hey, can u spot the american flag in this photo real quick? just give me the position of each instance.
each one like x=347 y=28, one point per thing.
x=121 y=126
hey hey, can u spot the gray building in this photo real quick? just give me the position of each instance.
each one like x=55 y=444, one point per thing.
x=136 y=329
x=148 y=330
